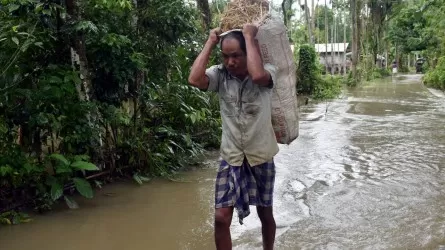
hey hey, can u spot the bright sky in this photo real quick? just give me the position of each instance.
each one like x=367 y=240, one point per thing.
x=295 y=6
x=309 y=2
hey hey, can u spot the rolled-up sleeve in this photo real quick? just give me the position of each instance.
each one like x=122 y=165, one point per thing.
x=213 y=73
x=272 y=71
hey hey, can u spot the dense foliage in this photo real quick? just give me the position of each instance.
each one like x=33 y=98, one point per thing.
x=417 y=27
x=309 y=78
x=436 y=77
x=94 y=87
x=380 y=32
x=308 y=73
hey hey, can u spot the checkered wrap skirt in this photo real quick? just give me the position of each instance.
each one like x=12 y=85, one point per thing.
x=241 y=186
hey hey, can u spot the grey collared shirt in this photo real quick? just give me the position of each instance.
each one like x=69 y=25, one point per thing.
x=246 y=117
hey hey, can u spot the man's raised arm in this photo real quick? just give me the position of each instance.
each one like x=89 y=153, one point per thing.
x=197 y=75
x=255 y=66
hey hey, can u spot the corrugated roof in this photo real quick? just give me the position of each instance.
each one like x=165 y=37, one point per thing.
x=336 y=47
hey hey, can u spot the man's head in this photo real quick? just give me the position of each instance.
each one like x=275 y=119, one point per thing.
x=233 y=49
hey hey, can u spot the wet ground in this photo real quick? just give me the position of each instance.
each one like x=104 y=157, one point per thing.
x=367 y=172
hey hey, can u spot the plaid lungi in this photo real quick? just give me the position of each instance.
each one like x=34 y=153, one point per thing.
x=241 y=186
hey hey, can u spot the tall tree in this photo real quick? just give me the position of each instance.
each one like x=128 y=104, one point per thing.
x=379 y=11
x=308 y=23
x=286 y=8
x=78 y=49
x=312 y=17
x=204 y=8
x=326 y=25
x=355 y=9
x=344 y=41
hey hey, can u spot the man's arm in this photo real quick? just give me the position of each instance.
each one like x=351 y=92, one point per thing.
x=255 y=66
x=197 y=75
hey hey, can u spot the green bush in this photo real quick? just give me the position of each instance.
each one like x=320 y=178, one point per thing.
x=328 y=87
x=403 y=69
x=308 y=74
x=309 y=78
x=132 y=114
x=436 y=77
x=377 y=73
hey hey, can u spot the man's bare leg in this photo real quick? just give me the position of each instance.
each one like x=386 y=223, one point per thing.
x=223 y=219
x=268 y=226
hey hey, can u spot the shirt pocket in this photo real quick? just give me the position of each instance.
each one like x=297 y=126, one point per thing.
x=229 y=99
x=251 y=101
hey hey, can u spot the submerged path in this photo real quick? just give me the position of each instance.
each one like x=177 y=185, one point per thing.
x=368 y=173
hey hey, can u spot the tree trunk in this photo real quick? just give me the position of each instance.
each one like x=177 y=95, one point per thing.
x=332 y=47
x=78 y=51
x=204 y=8
x=326 y=30
x=358 y=9
x=355 y=37
x=79 y=57
x=308 y=23
x=283 y=9
x=313 y=16
x=409 y=61
x=344 y=43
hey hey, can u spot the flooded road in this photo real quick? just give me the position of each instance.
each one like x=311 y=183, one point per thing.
x=367 y=172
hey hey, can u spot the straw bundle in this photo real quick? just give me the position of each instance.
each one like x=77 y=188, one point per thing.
x=239 y=12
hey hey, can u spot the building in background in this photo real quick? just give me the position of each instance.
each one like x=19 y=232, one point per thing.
x=333 y=57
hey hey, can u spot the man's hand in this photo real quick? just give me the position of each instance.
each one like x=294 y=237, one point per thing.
x=214 y=36
x=250 y=31
x=254 y=62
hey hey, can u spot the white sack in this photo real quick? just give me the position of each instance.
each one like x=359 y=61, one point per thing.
x=276 y=50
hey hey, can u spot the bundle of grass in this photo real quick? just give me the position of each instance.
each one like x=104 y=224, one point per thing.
x=239 y=12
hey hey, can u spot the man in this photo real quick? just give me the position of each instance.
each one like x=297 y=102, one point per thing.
x=394 y=67
x=247 y=172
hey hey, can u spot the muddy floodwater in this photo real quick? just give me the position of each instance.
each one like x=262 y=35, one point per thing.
x=367 y=172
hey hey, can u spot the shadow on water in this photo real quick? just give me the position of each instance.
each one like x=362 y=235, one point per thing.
x=368 y=173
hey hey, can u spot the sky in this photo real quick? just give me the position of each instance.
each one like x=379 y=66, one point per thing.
x=309 y=2
x=299 y=12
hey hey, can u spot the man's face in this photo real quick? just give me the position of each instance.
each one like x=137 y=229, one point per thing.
x=235 y=59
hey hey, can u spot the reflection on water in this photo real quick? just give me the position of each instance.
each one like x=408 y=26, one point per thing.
x=366 y=174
